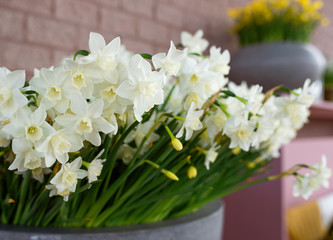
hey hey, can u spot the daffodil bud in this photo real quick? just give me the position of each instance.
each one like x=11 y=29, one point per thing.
x=250 y=165
x=177 y=144
x=236 y=150
x=192 y=172
x=170 y=175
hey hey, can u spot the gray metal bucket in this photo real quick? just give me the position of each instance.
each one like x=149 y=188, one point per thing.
x=205 y=224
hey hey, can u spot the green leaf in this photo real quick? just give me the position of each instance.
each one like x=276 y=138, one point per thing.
x=228 y=93
x=146 y=55
x=81 y=52
x=194 y=54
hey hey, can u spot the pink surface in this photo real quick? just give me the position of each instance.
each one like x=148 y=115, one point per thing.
x=255 y=212
x=308 y=151
x=259 y=212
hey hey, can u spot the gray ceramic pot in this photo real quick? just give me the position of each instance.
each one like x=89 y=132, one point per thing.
x=272 y=64
x=204 y=224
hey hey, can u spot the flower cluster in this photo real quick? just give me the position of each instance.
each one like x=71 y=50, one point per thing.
x=277 y=20
x=112 y=107
x=306 y=184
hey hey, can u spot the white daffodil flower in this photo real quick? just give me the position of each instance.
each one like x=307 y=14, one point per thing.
x=5 y=138
x=106 y=56
x=66 y=179
x=240 y=131
x=194 y=43
x=322 y=172
x=171 y=62
x=211 y=156
x=58 y=144
x=126 y=153
x=215 y=123
x=200 y=80
x=264 y=129
x=192 y=122
x=29 y=125
x=291 y=109
x=83 y=76
x=305 y=96
x=144 y=88
x=303 y=186
x=219 y=62
x=112 y=102
x=25 y=156
x=11 y=98
x=95 y=168
x=86 y=120
x=54 y=88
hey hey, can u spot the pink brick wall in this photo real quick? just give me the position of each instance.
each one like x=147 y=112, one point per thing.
x=36 y=33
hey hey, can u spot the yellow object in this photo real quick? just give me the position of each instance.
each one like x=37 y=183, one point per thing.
x=236 y=150
x=192 y=172
x=177 y=144
x=170 y=175
x=304 y=222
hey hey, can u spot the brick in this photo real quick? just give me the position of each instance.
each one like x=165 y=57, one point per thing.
x=138 y=46
x=52 y=33
x=141 y=7
x=37 y=6
x=107 y=3
x=187 y=5
x=193 y=22
x=153 y=32
x=84 y=37
x=23 y=56
x=11 y=24
x=212 y=9
x=238 y=3
x=77 y=11
x=174 y=35
x=119 y=22
x=59 y=55
x=218 y=29
x=169 y=15
x=161 y=48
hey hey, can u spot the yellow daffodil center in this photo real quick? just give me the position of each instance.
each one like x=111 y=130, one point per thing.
x=243 y=135
x=84 y=126
x=79 y=80
x=54 y=93
x=69 y=178
x=33 y=133
x=109 y=93
x=194 y=79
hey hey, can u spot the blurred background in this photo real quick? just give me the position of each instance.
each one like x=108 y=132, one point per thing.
x=36 y=33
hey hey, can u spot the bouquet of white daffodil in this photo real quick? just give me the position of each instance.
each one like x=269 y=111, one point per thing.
x=115 y=138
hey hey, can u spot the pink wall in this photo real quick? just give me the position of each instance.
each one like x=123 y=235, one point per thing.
x=37 y=33
x=259 y=212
